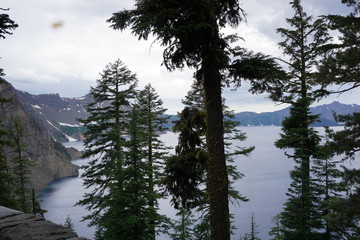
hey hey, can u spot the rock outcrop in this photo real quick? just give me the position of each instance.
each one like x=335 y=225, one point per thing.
x=15 y=225
x=51 y=159
x=57 y=115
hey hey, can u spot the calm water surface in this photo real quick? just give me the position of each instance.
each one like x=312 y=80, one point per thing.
x=265 y=184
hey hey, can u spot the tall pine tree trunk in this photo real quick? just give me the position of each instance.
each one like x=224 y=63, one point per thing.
x=217 y=178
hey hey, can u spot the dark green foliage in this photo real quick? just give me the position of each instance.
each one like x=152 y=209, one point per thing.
x=129 y=208
x=190 y=32
x=341 y=67
x=341 y=64
x=329 y=188
x=20 y=163
x=261 y=71
x=183 y=228
x=184 y=27
x=278 y=230
x=7 y=198
x=6 y=24
x=186 y=171
x=69 y=223
x=124 y=170
x=253 y=235
x=104 y=143
x=302 y=216
x=151 y=121
x=343 y=216
x=347 y=141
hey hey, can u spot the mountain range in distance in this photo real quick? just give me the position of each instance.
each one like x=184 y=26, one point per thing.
x=59 y=115
x=325 y=112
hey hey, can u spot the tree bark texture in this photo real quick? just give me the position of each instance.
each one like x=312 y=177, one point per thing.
x=217 y=178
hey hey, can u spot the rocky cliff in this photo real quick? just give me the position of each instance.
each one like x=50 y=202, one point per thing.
x=51 y=159
x=56 y=114
x=15 y=225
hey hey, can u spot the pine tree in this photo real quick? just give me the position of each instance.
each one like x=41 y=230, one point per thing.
x=183 y=228
x=135 y=217
x=341 y=67
x=152 y=120
x=104 y=144
x=190 y=31
x=186 y=171
x=6 y=24
x=343 y=216
x=301 y=216
x=7 y=198
x=328 y=186
x=69 y=224
x=278 y=230
x=253 y=235
x=254 y=228
x=20 y=163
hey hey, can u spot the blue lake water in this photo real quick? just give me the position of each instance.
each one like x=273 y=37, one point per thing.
x=265 y=184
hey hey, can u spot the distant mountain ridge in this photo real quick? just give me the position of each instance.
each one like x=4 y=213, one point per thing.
x=59 y=115
x=275 y=118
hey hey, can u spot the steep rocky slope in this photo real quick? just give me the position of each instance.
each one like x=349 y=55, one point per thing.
x=57 y=115
x=51 y=159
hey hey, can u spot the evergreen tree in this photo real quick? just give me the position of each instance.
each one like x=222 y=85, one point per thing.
x=343 y=216
x=186 y=171
x=153 y=120
x=183 y=228
x=134 y=216
x=341 y=67
x=328 y=186
x=190 y=31
x=278 y=230
x=254 y=232
x=104 y=144
x=69 y=224
x=20 y=163
x=301 y=216
x=6 y=24
x=7 y=198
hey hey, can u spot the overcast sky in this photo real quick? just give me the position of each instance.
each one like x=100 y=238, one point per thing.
x=61 y=46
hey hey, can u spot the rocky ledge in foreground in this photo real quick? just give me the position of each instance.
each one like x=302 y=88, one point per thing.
x=15 y=225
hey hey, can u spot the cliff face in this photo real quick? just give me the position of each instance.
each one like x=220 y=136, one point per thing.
x=15 y=225
x=51 y=159
x=57 y=115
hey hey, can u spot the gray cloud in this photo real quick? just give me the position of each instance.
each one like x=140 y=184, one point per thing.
x=67 y=58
